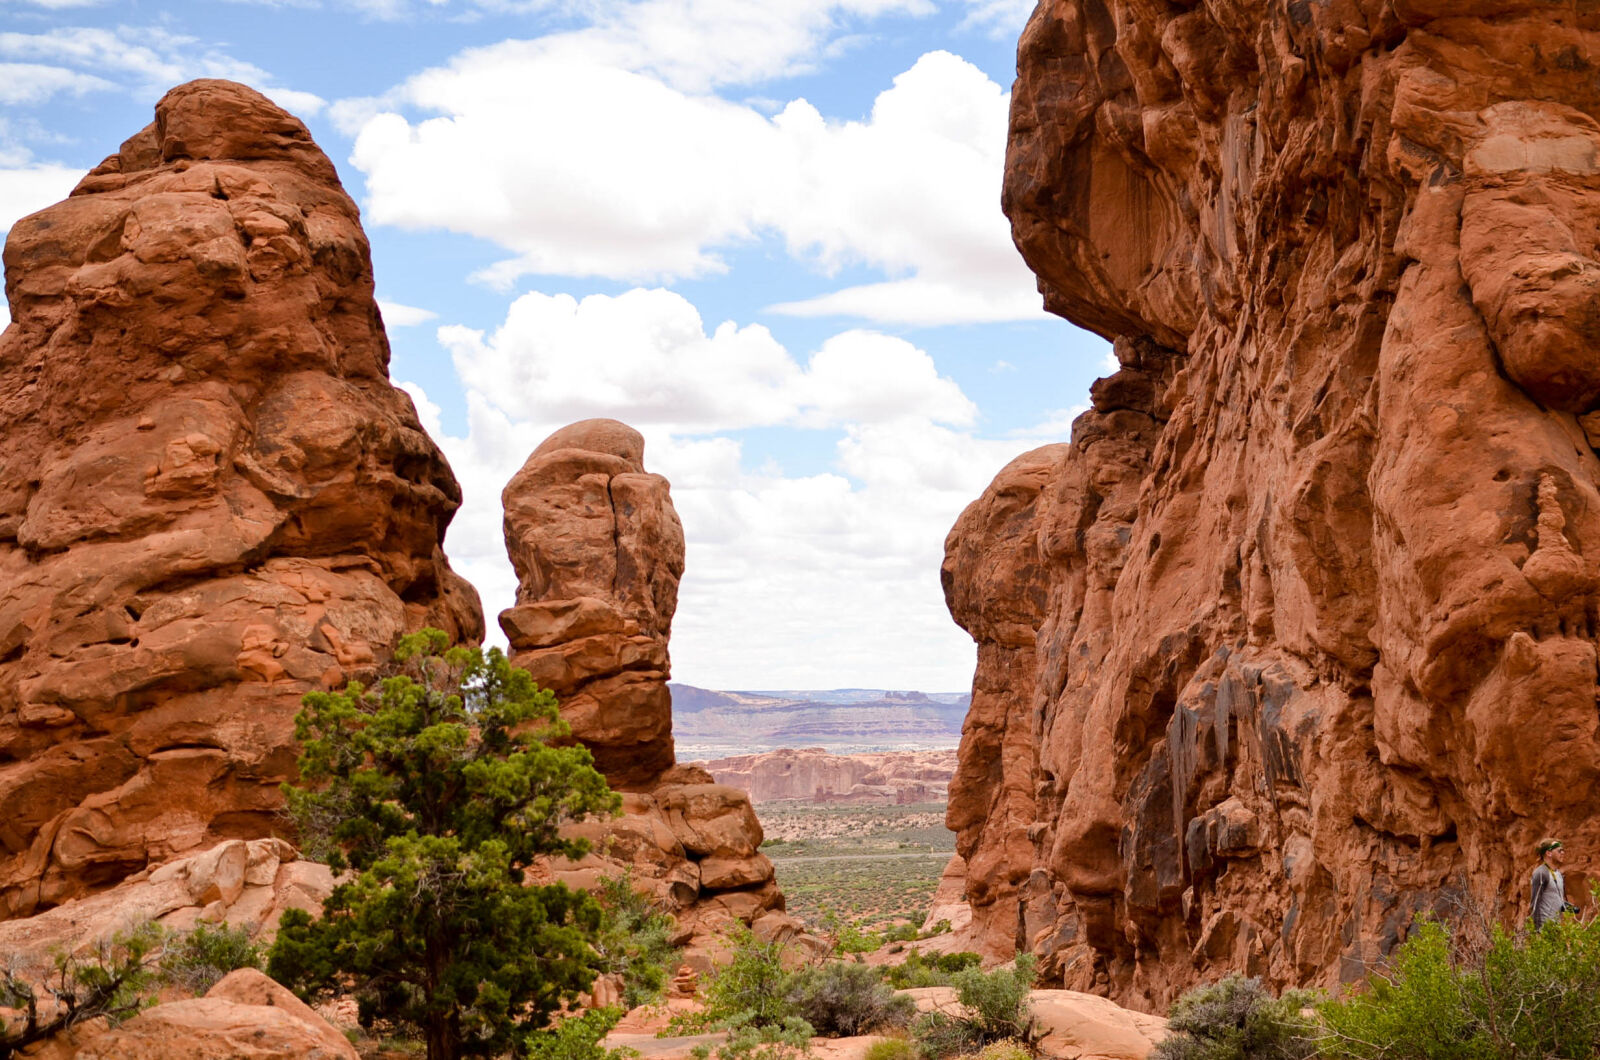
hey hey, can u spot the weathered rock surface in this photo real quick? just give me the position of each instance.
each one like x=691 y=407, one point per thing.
x=1071 y=1025
x=246 y=1016
x=242 y=884
x=214 y=499
x=598 y=552
x=814 y=775
x=1302 y=623
x=949 y=903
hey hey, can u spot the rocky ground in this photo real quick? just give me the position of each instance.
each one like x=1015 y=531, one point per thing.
x=1072 y=1026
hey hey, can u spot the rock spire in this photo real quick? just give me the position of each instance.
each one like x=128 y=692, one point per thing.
x=213 y=499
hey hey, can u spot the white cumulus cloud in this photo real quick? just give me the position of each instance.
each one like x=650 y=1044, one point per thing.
x=30 y=187
x=580 y=165
x=1002 y=19
x=823 y=578
x=145 y=59
x=28 y=83
x=645 y=357
x=396 y=315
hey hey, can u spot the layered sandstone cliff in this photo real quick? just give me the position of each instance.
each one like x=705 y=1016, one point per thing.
x=1297 y=638
x=598 y=552
x=213 y=499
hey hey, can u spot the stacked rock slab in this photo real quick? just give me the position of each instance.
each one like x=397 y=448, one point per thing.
x=212 y=500
x=598 y=552
x=1302 y=623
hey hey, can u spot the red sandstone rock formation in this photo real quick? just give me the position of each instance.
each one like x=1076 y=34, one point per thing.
x=246 y=885
x=598 y=552
x=814 y=775
x=213 y=501
x=245 y=1016
x=1302 y=624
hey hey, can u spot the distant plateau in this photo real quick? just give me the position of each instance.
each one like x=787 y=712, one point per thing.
x=713 y=724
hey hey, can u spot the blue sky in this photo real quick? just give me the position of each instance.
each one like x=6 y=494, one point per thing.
x=764 y=232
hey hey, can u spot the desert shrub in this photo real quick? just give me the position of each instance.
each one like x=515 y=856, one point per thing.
x=196 y=960
x=847 y=999
x=901 y=933
x=1005 y=1049
x=937 y=969
x=112 y=981
x=576 y=1038
x=635 y=941
x=996 y=1008
x=891 y=1049
x=781 y=1040
x=1481 y=994
x=1238 y=1019
x=751 y=990
x=852 y=939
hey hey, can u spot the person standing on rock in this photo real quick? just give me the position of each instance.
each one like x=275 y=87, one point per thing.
x=1549 y=888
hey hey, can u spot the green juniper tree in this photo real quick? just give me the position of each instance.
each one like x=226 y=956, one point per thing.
x=437 y=791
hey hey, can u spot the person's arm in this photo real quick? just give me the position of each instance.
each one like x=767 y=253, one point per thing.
x=1541 y=881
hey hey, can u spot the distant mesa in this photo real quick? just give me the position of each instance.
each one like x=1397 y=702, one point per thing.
x=894 y=778
x=844 y=721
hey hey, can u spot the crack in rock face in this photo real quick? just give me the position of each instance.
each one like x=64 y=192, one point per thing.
x=1296 y=637
x=214 y=500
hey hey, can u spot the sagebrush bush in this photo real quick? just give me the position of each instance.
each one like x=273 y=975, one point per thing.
x=998 y=1001
x=995 y=1008
x=1005 y=1049
x=752 y=989
x=196 y=960
x=1239 y=1019
x=933 y=970
x=635 y=941
x=783 y=1040
x=1478 y=995
x=847 y=999
x=891 y=1049
x=852 y=939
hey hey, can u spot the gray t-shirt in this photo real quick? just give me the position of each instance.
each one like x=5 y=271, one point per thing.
x=1549 y=894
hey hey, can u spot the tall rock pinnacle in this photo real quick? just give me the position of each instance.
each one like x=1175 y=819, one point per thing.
x=598 y=552
x=212 y=499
